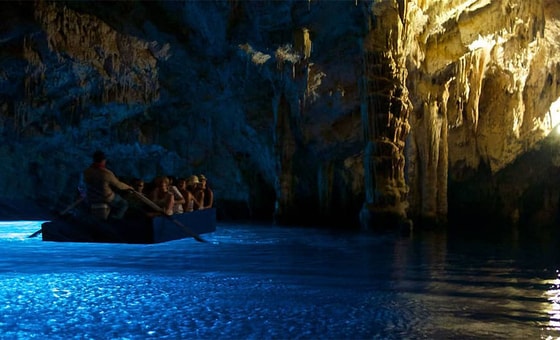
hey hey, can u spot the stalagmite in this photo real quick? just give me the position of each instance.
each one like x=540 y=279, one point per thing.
x=384 y=117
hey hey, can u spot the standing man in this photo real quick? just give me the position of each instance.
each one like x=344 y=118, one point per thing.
x=100 y=183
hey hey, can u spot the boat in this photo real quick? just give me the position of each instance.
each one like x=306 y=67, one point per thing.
x=134 y=230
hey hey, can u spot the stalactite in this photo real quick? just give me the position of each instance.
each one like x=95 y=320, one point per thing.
x=284 y=150
x=461 y=90
x=480 y=60
x=76 y=33
x=443 y=165
x=470 y=71
x=428 y=151
x=429 y=147
x=302 y=42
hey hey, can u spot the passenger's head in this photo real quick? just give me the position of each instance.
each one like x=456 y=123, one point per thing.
x=162 y=182
x=192 y=181
x=182 y=183
x=138 y=184
x=99 y=156
x=202 y=180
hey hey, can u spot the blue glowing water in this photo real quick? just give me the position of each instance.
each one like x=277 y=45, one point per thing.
x=268 y=282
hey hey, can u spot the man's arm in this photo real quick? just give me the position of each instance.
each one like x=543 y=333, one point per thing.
x=115 y=182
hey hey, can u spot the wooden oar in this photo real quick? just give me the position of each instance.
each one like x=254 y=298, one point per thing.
x=70 y=207
x=157 y=208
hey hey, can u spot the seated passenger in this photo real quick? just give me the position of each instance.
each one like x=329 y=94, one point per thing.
x=193 y=186
x=167 y=197
x=161 y=196
x=208 y=196
x=138 y=185
x=136 y=207
x=178 y=200
x=188 y=206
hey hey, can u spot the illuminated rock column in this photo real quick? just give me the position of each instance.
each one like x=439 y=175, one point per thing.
x=385 y=111
x=428 y=153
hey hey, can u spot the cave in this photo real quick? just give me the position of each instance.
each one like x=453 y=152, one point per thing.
x=394 y=114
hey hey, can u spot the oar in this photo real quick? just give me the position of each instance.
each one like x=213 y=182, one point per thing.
x=160 y=209
x=70 y=207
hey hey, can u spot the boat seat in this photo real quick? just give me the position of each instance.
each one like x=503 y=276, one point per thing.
x=100 y=210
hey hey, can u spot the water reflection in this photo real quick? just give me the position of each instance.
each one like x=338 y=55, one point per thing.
x=553 y=295
x=257 y=281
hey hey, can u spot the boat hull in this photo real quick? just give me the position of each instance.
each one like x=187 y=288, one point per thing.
x=131 y=230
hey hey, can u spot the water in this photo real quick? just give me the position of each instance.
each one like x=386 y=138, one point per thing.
x=267 y=282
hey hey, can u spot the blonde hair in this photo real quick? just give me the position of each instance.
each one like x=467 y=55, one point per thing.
x=160 y=180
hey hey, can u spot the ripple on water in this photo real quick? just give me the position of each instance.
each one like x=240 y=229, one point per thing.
x=254 y=282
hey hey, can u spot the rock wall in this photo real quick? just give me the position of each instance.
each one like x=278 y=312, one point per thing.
x=302 y=111
x=482 y=91
x=479 y=91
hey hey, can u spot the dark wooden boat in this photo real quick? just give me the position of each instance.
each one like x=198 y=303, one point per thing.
x=142 y=230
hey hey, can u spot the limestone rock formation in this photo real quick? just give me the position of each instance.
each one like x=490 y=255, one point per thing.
x=387 y=110
x=479 y=91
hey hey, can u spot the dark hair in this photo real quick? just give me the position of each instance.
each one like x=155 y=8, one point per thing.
x=98 y=156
